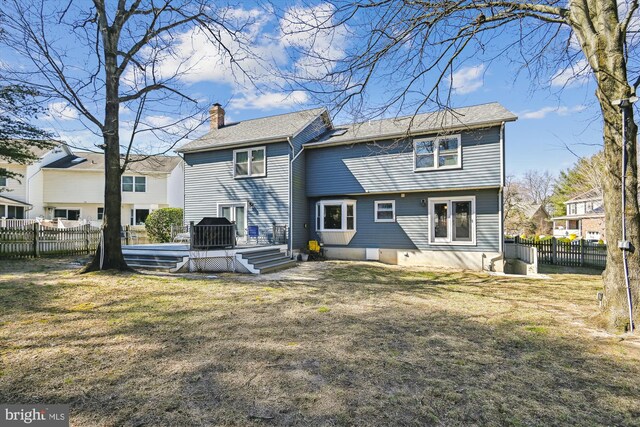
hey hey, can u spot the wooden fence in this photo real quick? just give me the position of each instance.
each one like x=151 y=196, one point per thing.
x=34 y=240
x=577 y=253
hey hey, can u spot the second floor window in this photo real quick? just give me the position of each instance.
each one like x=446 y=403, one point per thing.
x=100 y=214
x=444 y=152
x=134 y=184
x=251 y=162
x=3 y=181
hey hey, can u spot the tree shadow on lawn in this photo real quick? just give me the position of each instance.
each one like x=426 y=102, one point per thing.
x=196 y=354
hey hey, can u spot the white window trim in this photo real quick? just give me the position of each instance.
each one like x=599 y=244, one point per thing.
x=344 y=203
x=393 y=210
x=436 y=153
x=133 y=189
x=67 y=209
x=448 y=240
x=248 y=151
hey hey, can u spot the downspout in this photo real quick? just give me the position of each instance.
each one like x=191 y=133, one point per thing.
x=292 y=158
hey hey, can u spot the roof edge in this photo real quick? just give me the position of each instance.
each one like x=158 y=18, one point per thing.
x=416 y=133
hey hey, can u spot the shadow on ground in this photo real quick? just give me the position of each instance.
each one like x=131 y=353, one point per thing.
x=367 y=346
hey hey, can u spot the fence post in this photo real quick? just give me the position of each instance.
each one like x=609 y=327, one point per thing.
x=554 y=251
x=36 y=239
x=127 y=235
x=581 y=252
x=87 y=228
x=191 y=234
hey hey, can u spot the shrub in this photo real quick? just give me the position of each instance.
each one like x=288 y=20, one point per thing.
x=158 y=223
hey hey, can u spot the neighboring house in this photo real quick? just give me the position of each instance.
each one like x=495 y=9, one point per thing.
x=584 y=217
x=73 y=187
x=528 y=218
x=70 y=185
x=431 y=196
x=17 y=194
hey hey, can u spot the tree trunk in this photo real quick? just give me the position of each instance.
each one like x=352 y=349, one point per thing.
x=109 y=254
x=597 y=26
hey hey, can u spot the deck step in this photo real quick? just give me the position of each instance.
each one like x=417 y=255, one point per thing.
x=267 y=260
x=279 y=265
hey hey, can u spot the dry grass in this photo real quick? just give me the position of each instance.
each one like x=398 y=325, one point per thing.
x=363 y=345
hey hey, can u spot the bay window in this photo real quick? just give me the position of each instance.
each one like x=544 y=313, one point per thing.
x=443 y=152
x=249 y=163
x=452 y=220
x=336 y=215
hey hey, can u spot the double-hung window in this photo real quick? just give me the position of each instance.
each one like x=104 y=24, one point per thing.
x=3 y=181
x=336 y=215
x=131 y=184
x=385 y=211
x=251 y=162
x=452 y=220
x=444 y=152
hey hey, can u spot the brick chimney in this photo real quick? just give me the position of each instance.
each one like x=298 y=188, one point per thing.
x=217 y=116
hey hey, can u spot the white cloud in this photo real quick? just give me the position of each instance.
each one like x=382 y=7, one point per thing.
x=545 y=111
x=467 y=79
x=311 y=32
x=270 y=100
x=574 y=74
x=62 y=111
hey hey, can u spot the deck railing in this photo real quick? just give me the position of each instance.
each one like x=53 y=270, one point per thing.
x=212 y=236
x=208 y=236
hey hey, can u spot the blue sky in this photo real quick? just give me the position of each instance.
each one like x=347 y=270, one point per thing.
x=558 y=114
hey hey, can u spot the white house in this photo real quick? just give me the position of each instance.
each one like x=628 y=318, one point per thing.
x=70 y=185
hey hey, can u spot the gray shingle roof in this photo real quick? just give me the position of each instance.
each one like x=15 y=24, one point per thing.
x=270 y=128
x=594 y=194
x=420 y=123
x=88 y=161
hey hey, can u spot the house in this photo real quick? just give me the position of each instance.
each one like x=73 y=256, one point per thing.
x=584 y=217
x=70 y=185
x=423 y=190
x=17 y=194
x=528 y=218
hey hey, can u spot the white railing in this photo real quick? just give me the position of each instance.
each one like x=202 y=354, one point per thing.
x=528 y=254
x=15 y=223
x=565 y=232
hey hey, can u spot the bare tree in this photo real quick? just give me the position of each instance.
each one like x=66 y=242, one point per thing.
x=100 y=58
x=537 y=186
x=419 y=44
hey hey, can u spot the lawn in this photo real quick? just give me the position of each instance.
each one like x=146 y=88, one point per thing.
x=334 y=343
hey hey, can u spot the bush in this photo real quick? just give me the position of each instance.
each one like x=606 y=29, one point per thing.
x=158 y=223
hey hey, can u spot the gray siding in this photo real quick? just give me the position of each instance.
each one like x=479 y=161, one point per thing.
x=316 y=128
x=387 y=166
x=209 y=180
x=411 y=229
x=299 y=198
x=300 y=204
